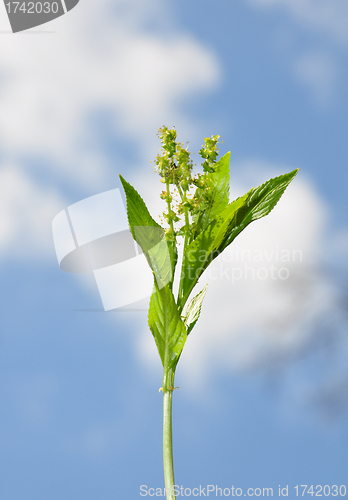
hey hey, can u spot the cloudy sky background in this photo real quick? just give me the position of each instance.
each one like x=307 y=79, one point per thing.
x=263 y=380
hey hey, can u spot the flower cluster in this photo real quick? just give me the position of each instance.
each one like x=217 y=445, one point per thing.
x=210 y=153
x=192 y=193
x=174 y=163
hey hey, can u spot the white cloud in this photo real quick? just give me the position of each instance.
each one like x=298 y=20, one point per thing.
x=101 y=59
x=53 y=87
x=329 y=17
x=27 y=210
x=256 y=311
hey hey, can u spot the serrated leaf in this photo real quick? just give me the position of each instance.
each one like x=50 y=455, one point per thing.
x=220 y=193
x=160 y=263
x=201 y=251
x=137 y=211
x=148 y=234
x=192 y=310
x=227 y=225
x=260 y=203
x=166 y=326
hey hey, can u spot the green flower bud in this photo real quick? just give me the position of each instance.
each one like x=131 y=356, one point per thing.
x=209 y=153
x=168 y=140
x=184 y=184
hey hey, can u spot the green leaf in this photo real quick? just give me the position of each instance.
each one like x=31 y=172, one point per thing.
x=166 y=326
x=220 y=193
x=160 y=262
x=260 y=203
x=226 y=226
x=192 y=310
x=137 y=212
x=148 y=234
x=201 y=251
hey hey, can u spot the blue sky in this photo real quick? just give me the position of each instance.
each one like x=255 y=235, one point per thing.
x=264 y=380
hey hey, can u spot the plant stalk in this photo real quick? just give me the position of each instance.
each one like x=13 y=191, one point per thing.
x=172 y=247
x=186 y=241
x=168 y=387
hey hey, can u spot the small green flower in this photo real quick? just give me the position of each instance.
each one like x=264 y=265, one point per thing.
x=174 y=166
x=209 y=153
x=168 y=140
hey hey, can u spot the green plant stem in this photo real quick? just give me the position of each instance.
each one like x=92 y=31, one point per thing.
x=187 y=222
x=172 y=247
x=168 y=387
x=187 y=233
